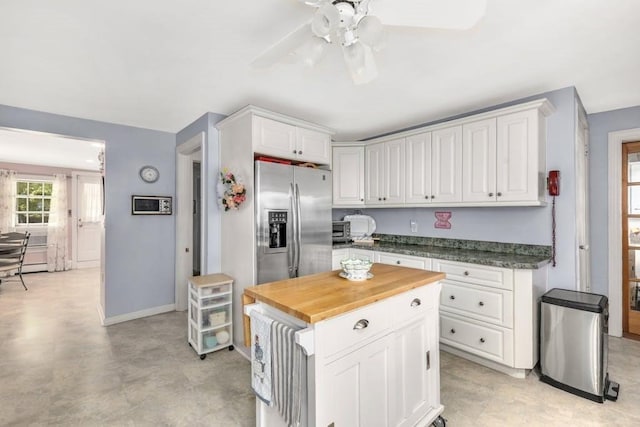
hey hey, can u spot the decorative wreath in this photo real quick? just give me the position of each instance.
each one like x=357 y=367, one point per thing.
x=232 y=193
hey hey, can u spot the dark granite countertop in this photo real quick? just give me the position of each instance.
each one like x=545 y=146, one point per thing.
x=496 y=254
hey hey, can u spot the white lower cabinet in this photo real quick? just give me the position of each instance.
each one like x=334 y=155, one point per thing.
x=338 y=255
x=489 y=314
x=402 y=260
x=385 y=372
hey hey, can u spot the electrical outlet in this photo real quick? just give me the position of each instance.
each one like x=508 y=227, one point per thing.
x=414 y=226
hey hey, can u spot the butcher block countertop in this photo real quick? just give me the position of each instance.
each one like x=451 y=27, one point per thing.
x=324 y=295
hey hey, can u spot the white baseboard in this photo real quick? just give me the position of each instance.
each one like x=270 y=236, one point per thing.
x=101 y=314
x=107 y=321
x=87 y=264
x=513 y=372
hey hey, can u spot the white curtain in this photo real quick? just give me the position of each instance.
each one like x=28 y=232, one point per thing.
x=7 y=200
x=57 y=230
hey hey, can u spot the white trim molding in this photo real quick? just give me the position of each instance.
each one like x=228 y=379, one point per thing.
x=107 y=321
x=616 y=139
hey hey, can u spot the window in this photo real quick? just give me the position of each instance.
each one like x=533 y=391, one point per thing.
x=33 y=201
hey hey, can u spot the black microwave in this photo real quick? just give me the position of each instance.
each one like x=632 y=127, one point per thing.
x=151 y=205
x=341 y=231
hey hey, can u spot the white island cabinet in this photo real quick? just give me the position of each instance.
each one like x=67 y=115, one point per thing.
x=375 y=365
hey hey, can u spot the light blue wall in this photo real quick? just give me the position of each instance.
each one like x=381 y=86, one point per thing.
x=139 y=259
x=529 y=225
x=211 y=159
x=600 y=125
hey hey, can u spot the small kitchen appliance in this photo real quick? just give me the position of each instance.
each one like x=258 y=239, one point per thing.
x=574 y=344
x=341 y=231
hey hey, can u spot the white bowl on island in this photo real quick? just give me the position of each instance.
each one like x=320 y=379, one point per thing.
x=356 y=269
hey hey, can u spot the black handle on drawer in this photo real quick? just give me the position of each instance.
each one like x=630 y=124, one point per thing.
x=453 y=331
x=481 y=304
x=452 y=297
x=466 y=273
x=416 y=302
x=398 y=262
x=482 y=340
x=361 y=324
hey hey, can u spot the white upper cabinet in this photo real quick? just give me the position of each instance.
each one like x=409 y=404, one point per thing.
x=520 y=158
x=385 y=173
x=446 y=161
x=496 y=158
x=348 y=176
x=479 y=160
x=274 y=138
x=434 y=166
x=313 y=146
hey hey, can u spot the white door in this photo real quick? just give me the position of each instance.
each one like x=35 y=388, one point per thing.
x=313 y=146
x=418 y=163
x=374 y=173
x=88 y=219
x=517 y=157
x=395 y=171
x=348 y=176
x=446 y=161
x=582 y=202
x=479 y=160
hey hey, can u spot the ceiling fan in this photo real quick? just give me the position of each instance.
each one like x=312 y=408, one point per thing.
x=359 y=28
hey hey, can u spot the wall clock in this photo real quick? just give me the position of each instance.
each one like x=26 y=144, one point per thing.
x=149 y=174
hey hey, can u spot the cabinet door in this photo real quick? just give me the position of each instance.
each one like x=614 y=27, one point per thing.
x=362 y=254
x=338 y=255
x=274 y=138
x=357 y=390
x=394 y=171
x=313 y=146
x=414 y=365
x=517 y=157
x=479 y=161
x=348 y=175
x=375 y=174
x=446 y=163
x=418 y=164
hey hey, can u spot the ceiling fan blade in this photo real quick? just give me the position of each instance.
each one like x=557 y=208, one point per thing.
x=360 y=63
x=284 y=49
x=442 y=14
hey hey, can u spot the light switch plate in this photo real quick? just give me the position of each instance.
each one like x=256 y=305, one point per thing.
x=414 y=226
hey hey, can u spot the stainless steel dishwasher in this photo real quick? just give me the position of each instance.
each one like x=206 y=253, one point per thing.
x=574 y=344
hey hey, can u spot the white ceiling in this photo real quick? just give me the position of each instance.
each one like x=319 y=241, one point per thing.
x=161 y=64
x=35 y=148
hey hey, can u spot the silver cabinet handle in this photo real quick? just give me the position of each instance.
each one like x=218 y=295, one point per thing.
x=361 y=324
x=452 y=297
x=481 y=304
x=482 y=340
x=466 y=273
x=416 y=302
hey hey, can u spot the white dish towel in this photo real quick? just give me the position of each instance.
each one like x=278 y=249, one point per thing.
x=289 y=373
x=261 y=356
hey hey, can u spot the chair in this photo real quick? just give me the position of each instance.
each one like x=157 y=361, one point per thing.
x=13 y=246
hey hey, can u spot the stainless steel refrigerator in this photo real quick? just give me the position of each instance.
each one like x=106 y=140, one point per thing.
x=293 y=221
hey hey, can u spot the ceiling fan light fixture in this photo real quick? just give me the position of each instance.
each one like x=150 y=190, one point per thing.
x=325 y=20
x=359 y=60
x=372 y=32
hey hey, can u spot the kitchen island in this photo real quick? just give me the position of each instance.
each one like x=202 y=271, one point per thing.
x=372 y=346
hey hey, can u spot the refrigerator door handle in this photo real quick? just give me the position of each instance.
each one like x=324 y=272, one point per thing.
x=291 y=244
x=298 y=231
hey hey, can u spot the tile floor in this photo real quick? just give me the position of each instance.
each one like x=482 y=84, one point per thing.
x=60 y=367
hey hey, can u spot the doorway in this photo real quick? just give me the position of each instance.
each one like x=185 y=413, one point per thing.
x=631 y=237
x=189 y=206
x=87 y=219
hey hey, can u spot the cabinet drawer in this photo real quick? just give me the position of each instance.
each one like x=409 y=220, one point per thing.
x=361 y=253
x=491 y=342
x=403 y=260
x=478 y=274
x=353 y=328
x=479 y=302
x=412 y=303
